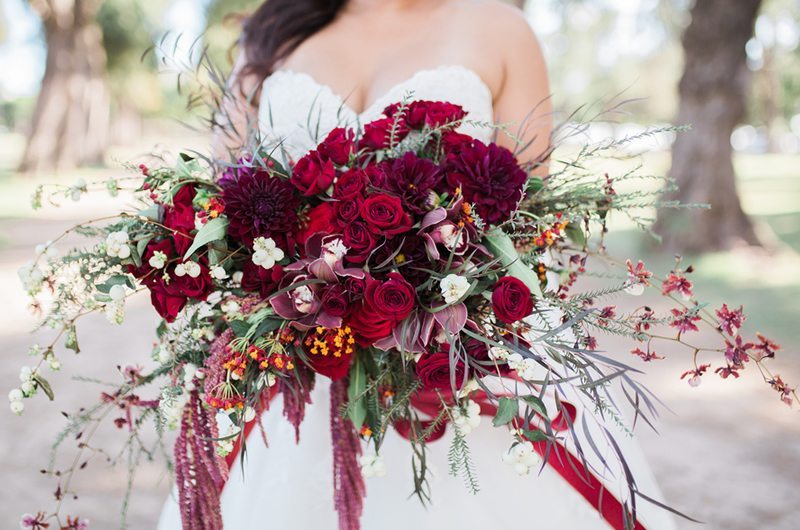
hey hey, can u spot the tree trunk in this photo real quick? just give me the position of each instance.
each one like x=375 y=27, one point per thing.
x=70 y=121
x=713 y=99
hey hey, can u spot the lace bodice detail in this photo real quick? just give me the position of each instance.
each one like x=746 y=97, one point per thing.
x=297 y=112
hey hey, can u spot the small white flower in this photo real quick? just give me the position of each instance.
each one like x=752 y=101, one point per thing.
x=115 y=312
x=249 y=414
x=695 y=381
x=334 y=251
x=17 y=407
x=170 y=407
x=76 y=189
x=31 y=277
x=16 y=395
x=53 y=362
x=25 y=374
x=372 y=466
x=453 y=287
x=180 y=269
x=265 y=252
x=163 y=354
x=469 y=387
x=117 y=293
x=496 y=353
x=467 y=420
x=218 y=273
x=158 y=260
x=48 y=250
x=231 y=307
x=117 y=245
x=521 y=457
x=192 y=269
x=237 y=277
x=28 y=388
x=525 y=367
x=227 y=429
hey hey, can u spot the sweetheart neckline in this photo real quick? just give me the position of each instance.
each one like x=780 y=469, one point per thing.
x=343 y=101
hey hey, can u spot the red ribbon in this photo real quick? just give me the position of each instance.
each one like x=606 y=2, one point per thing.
x=560 y=459
x=569 y=466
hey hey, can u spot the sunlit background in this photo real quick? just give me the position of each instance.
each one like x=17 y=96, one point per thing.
x=728 y=453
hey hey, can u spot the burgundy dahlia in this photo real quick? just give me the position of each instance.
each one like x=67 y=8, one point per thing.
x=489 y=177
x=414 y=180
x=261 y=205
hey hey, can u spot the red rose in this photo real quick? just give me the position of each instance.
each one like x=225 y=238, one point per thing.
x=180 y=218
x=453 y=142
x=313 y=174
x=347 y=211
x=321 y=219
x=378 y=133
x=257 y=279
x=433 y=370
x=511 y=299
x=354 y=288
x=350 y=184
x=384 y=215
x=331 y=360
x=331 y=366
x=335 y=301
x=367 y=326
x=392 y=299
x=337 y=146
x=358 y=238
x=434 y=114
x=168 y=298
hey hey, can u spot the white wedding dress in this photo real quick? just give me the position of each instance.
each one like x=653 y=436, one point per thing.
x=288 y=486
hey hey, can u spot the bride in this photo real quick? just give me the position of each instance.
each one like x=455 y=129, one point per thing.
x=308 y=66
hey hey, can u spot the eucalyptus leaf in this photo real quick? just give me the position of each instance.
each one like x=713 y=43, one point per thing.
x=502 y=247
x=534 y=436
x=213 y=230
x=575 y=233
x=507 y=410
x=45 y=386
x=355 y=390
x=536 y=404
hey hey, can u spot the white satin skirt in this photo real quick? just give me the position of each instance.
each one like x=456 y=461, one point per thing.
x=288 y=486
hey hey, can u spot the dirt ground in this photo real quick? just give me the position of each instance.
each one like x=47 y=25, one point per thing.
x=728 y=453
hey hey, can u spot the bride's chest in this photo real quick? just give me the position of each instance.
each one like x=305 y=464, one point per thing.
x=297 y=111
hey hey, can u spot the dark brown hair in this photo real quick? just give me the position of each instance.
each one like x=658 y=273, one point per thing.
x=278 y=27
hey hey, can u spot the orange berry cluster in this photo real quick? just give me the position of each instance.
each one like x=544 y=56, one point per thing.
x=336 y=342
x=550 y=235
x=277 y=360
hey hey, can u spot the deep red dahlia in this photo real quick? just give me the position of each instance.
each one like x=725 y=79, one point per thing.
x=414 y=180
x=261 y=205
x=489 y=177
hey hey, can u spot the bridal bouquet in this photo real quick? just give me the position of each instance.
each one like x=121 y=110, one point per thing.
x=428 y=275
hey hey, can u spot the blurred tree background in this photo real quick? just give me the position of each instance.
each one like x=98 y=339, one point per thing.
x=730 y=69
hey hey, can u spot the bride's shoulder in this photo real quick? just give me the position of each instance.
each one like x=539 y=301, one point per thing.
x=499 y=24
